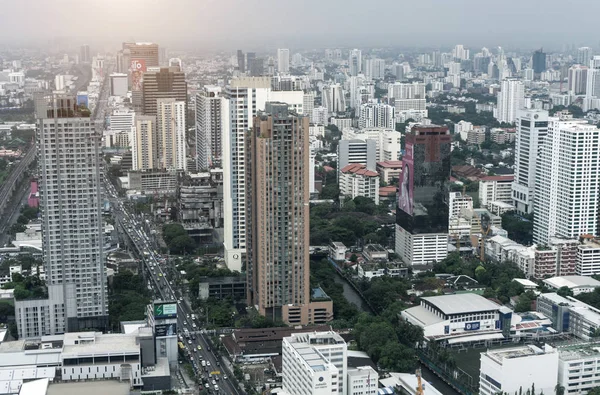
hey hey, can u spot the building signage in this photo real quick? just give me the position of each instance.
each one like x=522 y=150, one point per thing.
x=472 y=326
x=165 y=330
x=165 y=310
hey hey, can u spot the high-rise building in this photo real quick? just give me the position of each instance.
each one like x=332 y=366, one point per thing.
x=209 y=133
x=355 y=62
x=308 y=103
x=283 y=60
x=398 y=90
x=277 y=260
x=584 y=55
x=422 y=212
x=167 y=83
x=532 y=129
x=357 y=151
x=72 y=227
x=593 y=78
x=460 y=53
x=577 y=79
x=511 y=98
x=144 y=143
x=256 y=66
x=387 y=141
x=84 y=54
x=538 y=61
x=176 y=62
x=375 y=69
x=118 y=84
x=146 y=52
x=170 y=127
x=333 y=98
x=377 y=115
x=241 y=61
x=567 y=180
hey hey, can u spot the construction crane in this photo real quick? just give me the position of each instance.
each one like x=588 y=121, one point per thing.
x=419 y=383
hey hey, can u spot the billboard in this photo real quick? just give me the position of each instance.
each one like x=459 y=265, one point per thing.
x=137 y=68
x=165 y=310
x=472 y=326
x=405 y=194
x=83 y=99
x=165 y=329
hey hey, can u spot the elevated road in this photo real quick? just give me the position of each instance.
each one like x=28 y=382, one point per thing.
x=14 y=180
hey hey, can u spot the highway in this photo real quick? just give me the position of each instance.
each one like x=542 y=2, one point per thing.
x=12 y=182
x=202 y=355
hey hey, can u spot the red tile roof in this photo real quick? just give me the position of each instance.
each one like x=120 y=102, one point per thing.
x=387 y=191
x=390 y=163
x=357 y=168
x=498 y=178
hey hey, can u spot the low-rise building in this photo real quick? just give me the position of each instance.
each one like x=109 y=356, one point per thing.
x=369 y=271
x=337 y=251
x=577 y=284
x=503 y=135
x=577 y=367
x=588 y=257
x=495 y=188
x=476 y=136
x=362 y=381
x=518 y=369
x=457 y=202
x=375 y=252
x=357 y=180
x=570 y=315
x=499 y=208
x=389 y=170
x=222 y=287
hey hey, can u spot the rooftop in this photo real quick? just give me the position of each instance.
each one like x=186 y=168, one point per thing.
x=99 y=343
x=395 y=164
x=357 y=168
x=572 y=282
x=517 y=352
x=499 y=178
x=579 y=351
x=461 y=303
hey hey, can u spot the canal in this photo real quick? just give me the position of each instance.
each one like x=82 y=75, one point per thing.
x=353 y=297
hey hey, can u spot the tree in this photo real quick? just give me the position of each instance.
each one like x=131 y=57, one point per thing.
x=564 y=291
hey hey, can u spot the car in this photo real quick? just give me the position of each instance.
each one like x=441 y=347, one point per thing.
x=193 y=324
x=214 y=382
x=207 y=363
x=190 y=341
x=217 y=377
x=199 y=347
x=224 y=377
x=216 y=387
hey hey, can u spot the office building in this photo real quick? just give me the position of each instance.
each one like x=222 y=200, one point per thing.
x=538 y=61
x=355 y=62
x=357 y=151
x=568 y=314
x=84 y=54
x=241 y=61
x=356 y=180
x=495 y=189
x=72 y=226
x=144 y=143
x=118 y=84
x=422 y=213
x=209 y=133
x=170 y=127
x=167 y=83
x=518 y=369
x=376 y=115
x=584 y=55
x=333 y=98
x=592 y=89
x=308 y=104
x=314 y=364
x=283 y=61
x=375 y=69
x=146 y=52
x=532 y=129
x=577 y=79
x=243 y=98
x=387 y=141
x=255 y=66
x=511 y=99
x=277 y=260
x=567 y=180
x=362 y=380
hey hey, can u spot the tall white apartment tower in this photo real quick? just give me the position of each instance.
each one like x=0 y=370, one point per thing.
x=209 y=132
x=532 y=129
x=511 y=98
x=283 y=60
x=72 y=228
x=143 y=140
x=584 y=54
x=170 y=122
x=355 y=62
x=567 y=179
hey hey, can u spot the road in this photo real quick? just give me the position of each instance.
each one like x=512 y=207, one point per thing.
x=196 y=345
x=12 y=182
x=6 y=221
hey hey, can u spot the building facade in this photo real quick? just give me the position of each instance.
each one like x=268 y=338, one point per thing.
x=144 y=143
x=170 y=126
x=356 y=180
x=167 y=83
x=511 y=99
x=209 y=133
x=495 y=189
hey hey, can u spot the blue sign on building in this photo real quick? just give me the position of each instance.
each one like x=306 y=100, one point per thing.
x=471 y=326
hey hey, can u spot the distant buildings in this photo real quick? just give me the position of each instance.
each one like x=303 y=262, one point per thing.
x=167 y=83
x=209 y=131
x=377 y=115
x=283 y=60
x=355 y=62
x=170 y=126
x=387 y=141
x=510 y=99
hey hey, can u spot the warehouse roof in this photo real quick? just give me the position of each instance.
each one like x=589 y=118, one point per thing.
x=461 y=303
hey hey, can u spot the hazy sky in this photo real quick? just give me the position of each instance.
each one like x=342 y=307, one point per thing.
x=252 y=24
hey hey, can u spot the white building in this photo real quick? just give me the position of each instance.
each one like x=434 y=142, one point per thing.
x=72 y=234
x=376 y=115
x=337 y=251
x=170 y=127
x=584 y=55
x=421 y=249
x=462 y=128
x=283 y=60
x=333 y=98
x=566 y=189
x=577 y=79
x=457 y=202
x=516 y=370
x=362 y=381
x=387 y=141
x=458 y=317
x=121 y=119
x=399 y=90
x=356 y=180
x=341 y=123
x=511 y=98
x=574 y=366
x=357 y=151
x=118 y=84
x=316 y=130
x=569 y=315
x=577 y=284
x=495 y=188
x=532 y=129
x=460 y=53
x=144 y=143
x=209 y=134
x=355 y=62
x=314 y=364
x=319 y=115
x=308 y=103
x=588 y=258
x=375 y=69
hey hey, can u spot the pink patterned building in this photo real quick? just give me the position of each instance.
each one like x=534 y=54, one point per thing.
x=34 y=196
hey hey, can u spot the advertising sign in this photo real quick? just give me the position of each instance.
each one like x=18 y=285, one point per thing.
x=405 y=194
x=165 y=329
x=165 y=310
x=137 y=69
x=471 y=326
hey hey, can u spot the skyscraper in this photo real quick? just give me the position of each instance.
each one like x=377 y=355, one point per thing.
x=144 y=143
x=84 y=54
x=167 y=83
x=241 y=61
x=333 y=98
x=538 y=61
x=283 y=60
x=209 y=132
x=377 y=115
x=170 y=127
x=355 y=62
x=422 y=212
x=510 y=99
x=567 y=180
x=532 y=129
x=277 y=261
x=72 y=227
x=147 y=52
x=577 y=79
x=584 y=54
